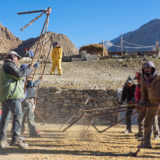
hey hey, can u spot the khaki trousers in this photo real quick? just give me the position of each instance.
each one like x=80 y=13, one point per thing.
x=151 y=112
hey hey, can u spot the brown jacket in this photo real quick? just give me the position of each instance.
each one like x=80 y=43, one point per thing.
x=151 y=92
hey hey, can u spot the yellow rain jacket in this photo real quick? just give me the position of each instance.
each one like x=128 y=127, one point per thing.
x=56 y=54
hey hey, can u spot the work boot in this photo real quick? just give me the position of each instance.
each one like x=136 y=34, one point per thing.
x=140 y=138
x=127 y=131
x=22 y=138
x=19 y=143
x=146 y=140
x=4 y=144
x=146 y=145
x=156 y=137
x=138 y=135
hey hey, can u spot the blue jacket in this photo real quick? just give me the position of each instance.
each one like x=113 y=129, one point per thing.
x=32 y=88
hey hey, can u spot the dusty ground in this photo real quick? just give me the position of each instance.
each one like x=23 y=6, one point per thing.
x=90 y=75
x=78 y=143
x=109 y=73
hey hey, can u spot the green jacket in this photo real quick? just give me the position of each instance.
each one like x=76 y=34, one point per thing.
x=11 y=81
x=10 y=88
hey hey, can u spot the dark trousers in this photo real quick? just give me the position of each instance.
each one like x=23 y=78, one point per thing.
x=128 y=118
x=8 y=107
x=28 y=112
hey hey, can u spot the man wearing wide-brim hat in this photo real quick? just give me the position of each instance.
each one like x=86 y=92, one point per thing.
x=12 y=90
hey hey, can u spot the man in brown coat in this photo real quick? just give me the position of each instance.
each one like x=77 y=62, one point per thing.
x=150 y=92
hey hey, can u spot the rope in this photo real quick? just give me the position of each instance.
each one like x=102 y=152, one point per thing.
x=137 y=44
x=133 y=47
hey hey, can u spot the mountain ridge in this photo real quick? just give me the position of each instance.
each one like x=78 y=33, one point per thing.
x=10 y=42
x=145 y=35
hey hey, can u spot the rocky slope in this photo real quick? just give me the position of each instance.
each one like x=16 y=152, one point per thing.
x=45 y=44
x=7 y=40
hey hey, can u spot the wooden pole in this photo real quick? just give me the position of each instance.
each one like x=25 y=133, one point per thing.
x=31 y=21
x=28 y=12
x=103 y=47
x=100 y=131
x=49 y=11
x=121 y=44
x=46 y=60
x=73 y=123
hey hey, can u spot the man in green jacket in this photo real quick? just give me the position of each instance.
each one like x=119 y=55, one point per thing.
x=11 y=91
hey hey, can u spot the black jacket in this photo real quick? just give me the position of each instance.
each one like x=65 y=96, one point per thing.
x=128 y=92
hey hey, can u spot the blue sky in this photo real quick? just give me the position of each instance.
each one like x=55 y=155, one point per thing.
x=83 y=21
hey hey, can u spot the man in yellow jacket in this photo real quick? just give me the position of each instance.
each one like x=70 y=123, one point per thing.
x=56 y=58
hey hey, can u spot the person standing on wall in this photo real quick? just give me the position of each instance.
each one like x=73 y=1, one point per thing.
x=56 y=58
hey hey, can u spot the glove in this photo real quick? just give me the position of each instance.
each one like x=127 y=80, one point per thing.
x=120 y=102
x=141 y=107
x=36 y=65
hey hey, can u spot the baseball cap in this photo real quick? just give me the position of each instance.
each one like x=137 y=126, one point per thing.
x=14 y=53
x=130 y=79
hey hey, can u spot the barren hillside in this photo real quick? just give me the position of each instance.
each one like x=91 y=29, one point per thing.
x=7 y=40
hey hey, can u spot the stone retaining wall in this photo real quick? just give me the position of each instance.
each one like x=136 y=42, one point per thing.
x=57 y=106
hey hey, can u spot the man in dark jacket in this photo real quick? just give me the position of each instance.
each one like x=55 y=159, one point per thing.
x=28 y=106
x=128 y=94
x=12 y=90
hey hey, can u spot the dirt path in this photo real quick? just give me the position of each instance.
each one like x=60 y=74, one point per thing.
x=88 y=75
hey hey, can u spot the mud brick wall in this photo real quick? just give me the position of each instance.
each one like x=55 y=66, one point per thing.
x=58 y=105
